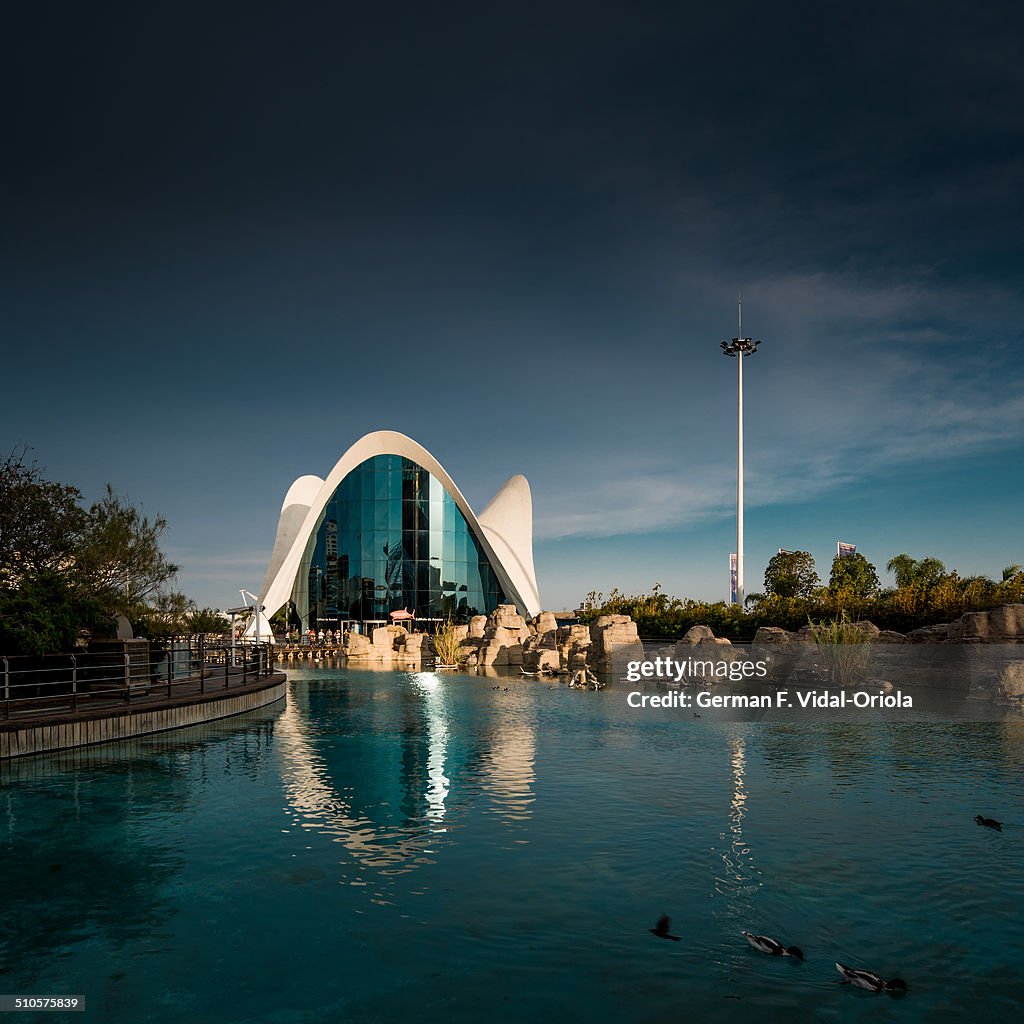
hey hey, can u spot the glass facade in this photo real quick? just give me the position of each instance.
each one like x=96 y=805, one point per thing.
x=392 y=537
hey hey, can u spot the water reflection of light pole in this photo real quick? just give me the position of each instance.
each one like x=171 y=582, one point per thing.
x=739 y=348
x=740 y=871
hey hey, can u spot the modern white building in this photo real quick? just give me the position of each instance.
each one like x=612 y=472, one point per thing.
x=389 y=530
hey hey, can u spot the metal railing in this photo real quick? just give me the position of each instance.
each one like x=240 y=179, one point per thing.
x=127 y=672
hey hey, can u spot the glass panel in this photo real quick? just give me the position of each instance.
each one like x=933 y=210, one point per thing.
x=366 y=551
x=391 y=536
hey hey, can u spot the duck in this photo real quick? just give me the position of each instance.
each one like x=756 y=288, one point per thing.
x=870 y=981
x=662 y=928
x=989 y=822
x=767 y=945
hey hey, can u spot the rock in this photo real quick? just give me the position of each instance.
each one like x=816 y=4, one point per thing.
x=506 y=616
x=869 y=629
x=461 y=632
x=545 y=622
x=614 y=641
x=1010 y=682
x=890 y=636
x=1004 y=624
x=548 y=660
x=603 y=621
x=695 y=634
x=477 y=625
x=503 y=635
x=356 y=645
x=929 y=634
x=1007 y=622
x=573 y=634
x=493 y=654
x=772 y=635
x=385 y=636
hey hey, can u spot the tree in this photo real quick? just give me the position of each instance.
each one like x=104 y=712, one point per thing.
x=40 y=522
x=43 y=614
x=1014 y=569
x=791 y=574
x=206 y=620
x=119 y=557
x=853 y=576
x=910 y=572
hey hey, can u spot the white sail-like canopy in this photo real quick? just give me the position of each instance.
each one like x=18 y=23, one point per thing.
x=504 y=530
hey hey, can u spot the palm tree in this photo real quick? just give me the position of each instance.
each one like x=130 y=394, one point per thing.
x=1011 y=570
x=904 y=568
x=925 y=572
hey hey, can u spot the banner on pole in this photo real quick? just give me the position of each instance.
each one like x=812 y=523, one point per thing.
x=845 y=550
x=733 y=571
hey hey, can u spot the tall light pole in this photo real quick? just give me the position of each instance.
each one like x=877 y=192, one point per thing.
x=739 y=348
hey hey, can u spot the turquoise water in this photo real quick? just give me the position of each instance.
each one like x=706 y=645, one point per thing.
x=408 y=846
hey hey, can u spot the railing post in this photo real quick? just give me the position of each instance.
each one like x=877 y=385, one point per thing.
x=7 y=688
x=74 y=683
x=245 y=667
x=170 y=667
x=127 y=679
x=202 y=664
x=226 y=663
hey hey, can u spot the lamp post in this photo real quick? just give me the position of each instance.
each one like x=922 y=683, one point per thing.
x=739 y=348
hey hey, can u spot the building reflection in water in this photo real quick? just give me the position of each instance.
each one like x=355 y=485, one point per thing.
x=510 y=774
x=394 y=812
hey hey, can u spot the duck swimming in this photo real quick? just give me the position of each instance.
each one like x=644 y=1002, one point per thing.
x=869 y=981
x=661 y=929
x=767 y=945
x=989 y=822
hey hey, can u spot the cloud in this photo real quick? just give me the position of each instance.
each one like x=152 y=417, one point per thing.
x=856 y=380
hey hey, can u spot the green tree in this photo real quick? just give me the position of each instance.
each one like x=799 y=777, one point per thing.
x=206 y=620
x=853 y=576
x=909 y=572
x=43 y=615
x=791 y=574
x=40 y=522
x=119 y=557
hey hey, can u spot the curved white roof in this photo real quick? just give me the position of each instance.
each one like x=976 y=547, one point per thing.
x=504 y=530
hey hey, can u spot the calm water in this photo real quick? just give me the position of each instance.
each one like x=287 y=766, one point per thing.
x=399 y=846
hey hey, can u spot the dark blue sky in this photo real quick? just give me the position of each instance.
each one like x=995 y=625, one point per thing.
x=239 y=236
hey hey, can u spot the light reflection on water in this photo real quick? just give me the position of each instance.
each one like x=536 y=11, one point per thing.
x=421 y=845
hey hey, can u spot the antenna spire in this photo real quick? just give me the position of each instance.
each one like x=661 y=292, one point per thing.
x=739 y=309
